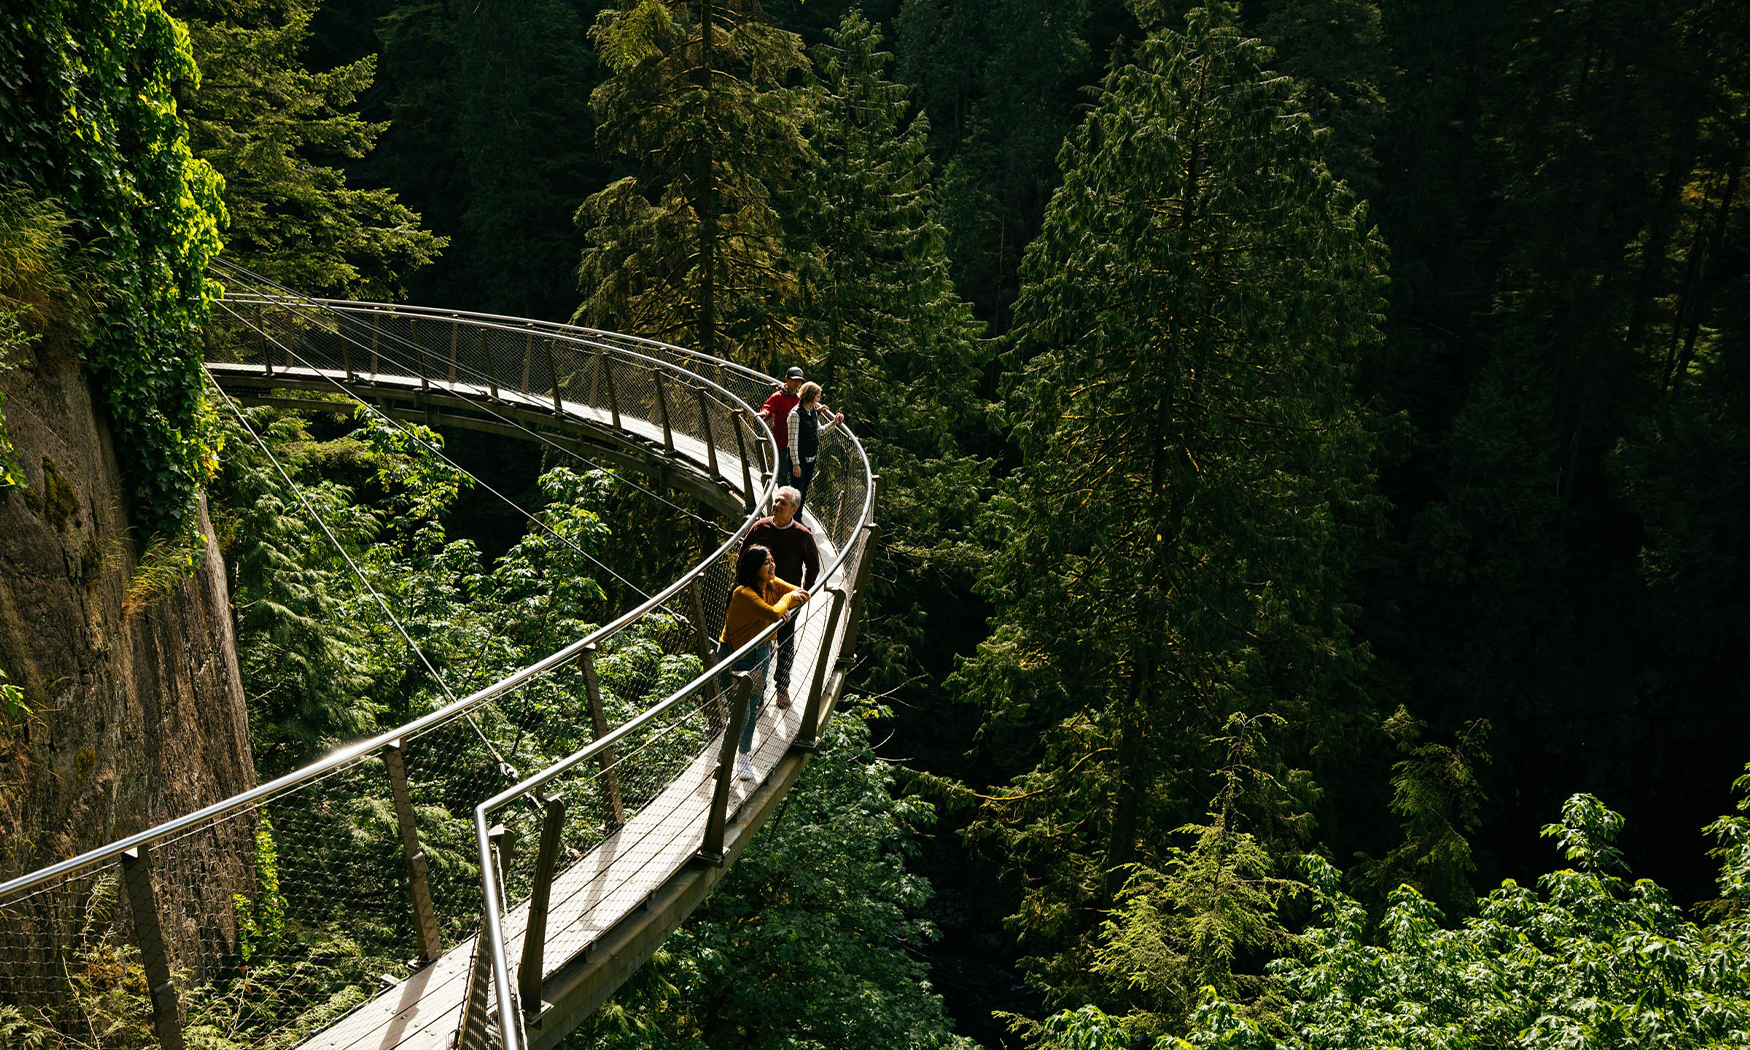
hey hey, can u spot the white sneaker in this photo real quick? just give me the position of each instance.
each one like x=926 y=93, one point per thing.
x=744 y=766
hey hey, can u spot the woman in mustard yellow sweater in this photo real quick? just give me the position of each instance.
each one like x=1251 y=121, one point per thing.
x=759 y=600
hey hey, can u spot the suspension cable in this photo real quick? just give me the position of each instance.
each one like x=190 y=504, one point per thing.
x=436 y=451
x=481 y=403
x=504 y=767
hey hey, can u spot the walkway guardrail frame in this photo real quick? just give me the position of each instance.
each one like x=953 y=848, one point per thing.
x=686 y=369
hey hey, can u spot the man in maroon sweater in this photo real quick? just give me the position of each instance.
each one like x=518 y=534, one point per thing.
x=798 y=562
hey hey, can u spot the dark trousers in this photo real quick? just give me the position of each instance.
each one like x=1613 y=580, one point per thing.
x=786 y=642
x=784 y=477
x=802 y=482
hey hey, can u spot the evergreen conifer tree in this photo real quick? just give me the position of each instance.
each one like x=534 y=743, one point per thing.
x=1196 y=468
x=897 y=348
x=690 y=246
x=274 y=129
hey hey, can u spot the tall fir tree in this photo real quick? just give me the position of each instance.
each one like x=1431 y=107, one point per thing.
x=1196 y=472
x=896 y=346
x=279 y=134
x=689 y=247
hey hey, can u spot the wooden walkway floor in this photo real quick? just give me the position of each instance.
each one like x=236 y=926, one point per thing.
x=637 y=860
x=588 y=899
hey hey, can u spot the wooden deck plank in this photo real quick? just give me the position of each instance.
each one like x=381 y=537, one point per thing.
x=590 y=897
x=602 y=888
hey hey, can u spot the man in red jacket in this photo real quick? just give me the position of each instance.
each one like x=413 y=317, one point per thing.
x=797 y=560
x=776 y=412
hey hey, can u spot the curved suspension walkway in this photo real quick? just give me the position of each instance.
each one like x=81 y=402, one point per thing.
x=542 y=834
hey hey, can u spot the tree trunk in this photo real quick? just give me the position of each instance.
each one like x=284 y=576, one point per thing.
x=705 y=201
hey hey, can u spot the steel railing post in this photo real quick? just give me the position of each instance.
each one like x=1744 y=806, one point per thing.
x=491 y=372
x=710 y=442
x=592 y=688
x=808 y=733
x=741 y=450
x=535 y=935
x=149 y=936
x=717 y=820
x=477 y=1000
x=553 y=377
x=854 y=620
x=418 y=876
x=613 y=394
x=455 y=336
x=376 y=367
x=266 y=344
x=528 y=357
x=696 y=590
x=418 y=353
x=662 y=407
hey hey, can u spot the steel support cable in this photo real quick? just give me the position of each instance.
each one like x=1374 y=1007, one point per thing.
x=504 y=767
x=484 y=404
x=434 y=450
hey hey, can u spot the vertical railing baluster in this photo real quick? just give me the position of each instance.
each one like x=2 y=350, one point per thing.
x=855 y=619
x=491 y=372
x=455 y=335
x=741 y=450
x=418 y=353
x=528 y=358
x=418 y=876
x=266 y=344
x=477 y=1000
x=553 y=377
x=808 y=733
x=592 y=688
x=707 y=649
x=716 y=821
x=376 y=367
x=662 y=408
x=154 y=957
x=710 y=442
x=535 y=935
x=613 y=395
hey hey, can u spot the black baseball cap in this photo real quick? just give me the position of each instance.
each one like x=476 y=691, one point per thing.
x=793 y=373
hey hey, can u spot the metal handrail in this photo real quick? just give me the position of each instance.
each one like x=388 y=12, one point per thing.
x=523 y=324
x=351 y=752
x=492 y=925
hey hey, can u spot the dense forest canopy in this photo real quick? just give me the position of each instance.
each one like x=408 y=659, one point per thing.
x=1315 y=453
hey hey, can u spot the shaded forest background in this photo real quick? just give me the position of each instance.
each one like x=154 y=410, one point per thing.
x=1251 y=490
x=1548 y=595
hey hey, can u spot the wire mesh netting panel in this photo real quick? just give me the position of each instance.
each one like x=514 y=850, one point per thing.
x=71 y=964
x=290 y=909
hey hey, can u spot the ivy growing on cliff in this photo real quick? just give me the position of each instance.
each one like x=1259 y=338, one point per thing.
x=89 y=111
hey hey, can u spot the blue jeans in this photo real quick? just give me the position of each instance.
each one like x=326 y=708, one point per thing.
x=756 y=660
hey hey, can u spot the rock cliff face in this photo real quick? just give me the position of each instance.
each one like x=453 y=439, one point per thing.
x=136 y=709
